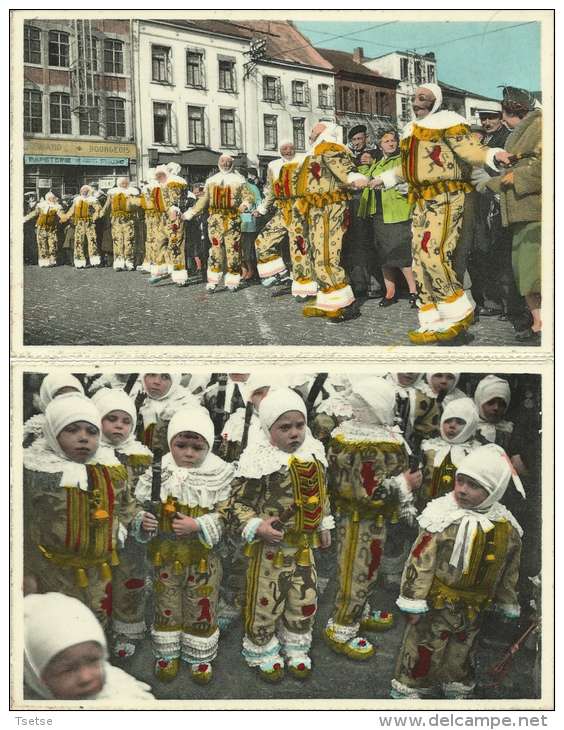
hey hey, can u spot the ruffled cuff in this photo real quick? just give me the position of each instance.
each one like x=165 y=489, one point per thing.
x=404 y=492
x=210 y=529
x=509 y=610
x=327 y=523
x=250 y=529
x=137 y=531
x=412 y=605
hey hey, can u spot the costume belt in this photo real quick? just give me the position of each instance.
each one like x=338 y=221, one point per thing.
x=124 y=214
x=473 y=600
x=181 y=552
x=304 y=541
x=228 y=214
x=417 y=194
x=320 y=200
x=81 y=563
x=47 y=226
x=379 y=510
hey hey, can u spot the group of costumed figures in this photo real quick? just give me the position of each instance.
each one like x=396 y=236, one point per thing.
x=162 y=484
x=309 y=194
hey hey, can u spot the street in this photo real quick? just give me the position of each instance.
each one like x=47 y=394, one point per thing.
x=334 y=676
x=67 y=306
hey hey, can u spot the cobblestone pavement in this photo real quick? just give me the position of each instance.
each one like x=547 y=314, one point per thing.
x=333 y=676
x=64 y=306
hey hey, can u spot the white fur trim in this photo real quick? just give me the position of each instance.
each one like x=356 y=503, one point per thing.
x=214 y=277
x=179 y=276
x=255 y=655
x=158 y=269
x=509 y=610
x=327 y=523
x=44 y=262
x=457 y=690
x=428 y=317
x=129 y=264
x=95 y=261
x=295 y=646
x=232 y=280
x=134 y=630
x=119 y=263
x=342 y=633
x=402 y=691
x=331 y=301
x=270 y=268
x=412 y=605
x=80 y=263
x=304 y=288
x=199 y=648
x=453 y=312
x=166 y=644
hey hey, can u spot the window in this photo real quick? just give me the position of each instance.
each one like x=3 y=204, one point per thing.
x=195 y=69
x=90 y=58
x=323 y=96
x=418 y=72
x=270 y=88
x=161 y=64
x=227 y=127
x=404 y=69
x=299 y=93
x=115 y=117
x=345 y=98
x=363 y=101
x=270 y=132
x=60 y=114
x=431 y=74
x=405 y=115
x=89 y=115
x=32 y=44
x=33 y=111
x=58 y=48
x=226 y=75
x=298 y=124
x=196 y=126
x=113 y=57
x=162 y=122
x=380 y=98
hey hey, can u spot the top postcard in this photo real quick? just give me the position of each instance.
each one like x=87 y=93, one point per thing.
x=347 y=179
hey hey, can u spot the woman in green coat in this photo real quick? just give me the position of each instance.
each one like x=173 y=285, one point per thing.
x=391 y=216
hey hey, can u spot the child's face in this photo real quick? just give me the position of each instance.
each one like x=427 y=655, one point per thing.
x=467 y=492
x=407 y=379
x=116 y=426
x=288 y=432
x=442 y=382
x=366 y=158
x=452 y=427
x=79 y=441
x=189 y=450
x=66 y=389
x=494 y=410
x=76 y=673
x=258 y=394
x=157 y=384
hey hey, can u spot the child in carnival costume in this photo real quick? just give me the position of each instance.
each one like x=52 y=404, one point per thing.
x=465 y=560
x=371 y=485
x=492 y=398
x=417 y=414
x=163 y=396
x=183 y=531
x=53 y=386
x=441 y=387
x=281 y=506
x=443 y=454
x=77 y=501
x=85 y=211
x=119 y=418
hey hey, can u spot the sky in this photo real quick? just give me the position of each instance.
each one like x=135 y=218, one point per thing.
x=497 y=54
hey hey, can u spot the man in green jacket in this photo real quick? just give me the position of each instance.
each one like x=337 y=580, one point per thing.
x=520 y=191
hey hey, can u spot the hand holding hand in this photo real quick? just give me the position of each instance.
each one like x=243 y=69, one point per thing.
x=267 y=533
x=360 y=183
x=479 y=178
x=183 y=525
x=503 y=157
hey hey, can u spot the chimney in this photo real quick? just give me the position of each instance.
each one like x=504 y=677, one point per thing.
x=358 y=55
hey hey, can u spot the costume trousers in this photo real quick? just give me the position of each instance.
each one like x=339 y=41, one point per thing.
x=224 y=232
x=47 y=244
x=186 y=611
x=288 y=592
x=360 y=549
x=123 y=236
x=437 y=650
x=268 y=245
x=176 y=256
x=128 y=580
x=327 y=226
x=85 y=232
x=97 y=595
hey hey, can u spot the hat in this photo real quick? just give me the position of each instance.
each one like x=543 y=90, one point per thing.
x=107 y=400
x=517 y=99
x=491 y=468
x=492 y=387
x=488 y=112
x=464 y=409
x=53 y=383
x=193 y=420
x=357 y=129
x=278 y=402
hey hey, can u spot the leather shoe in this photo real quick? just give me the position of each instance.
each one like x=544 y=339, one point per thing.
x=385 y=302
x=529 y=336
